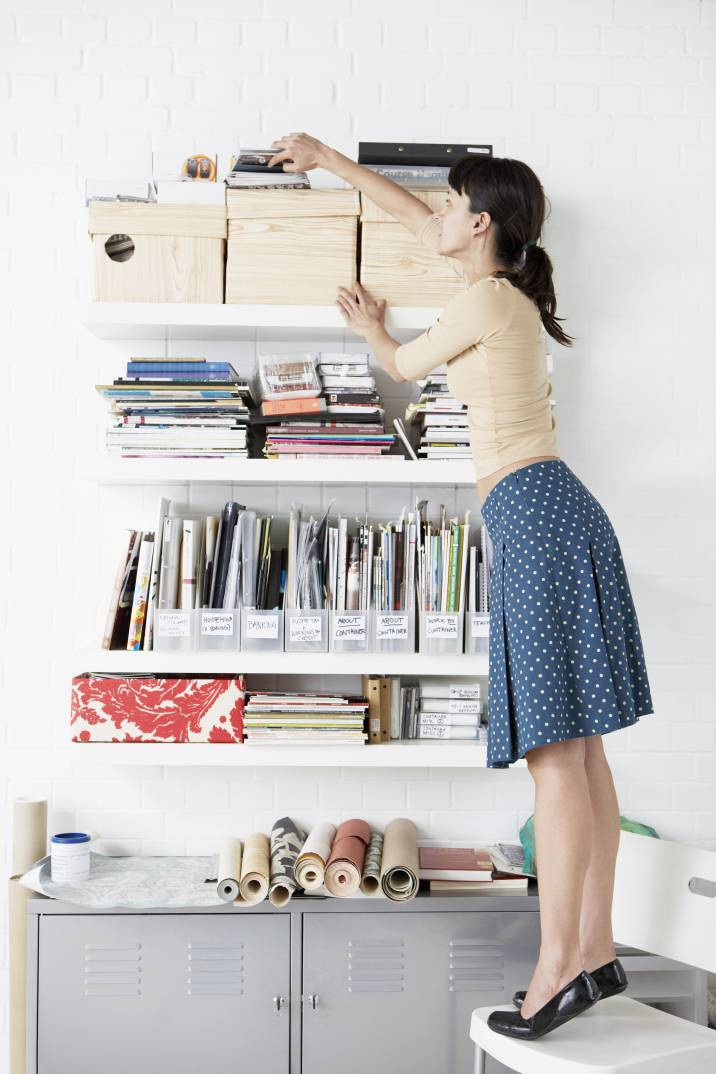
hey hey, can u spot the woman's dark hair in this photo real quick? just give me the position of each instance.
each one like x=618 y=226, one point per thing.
x=513 y=196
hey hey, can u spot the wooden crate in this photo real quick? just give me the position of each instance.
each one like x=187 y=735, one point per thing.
x=394 y=266
x=290 y=246
x=174 y=253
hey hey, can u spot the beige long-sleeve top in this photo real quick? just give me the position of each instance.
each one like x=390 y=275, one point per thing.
x=489 y=336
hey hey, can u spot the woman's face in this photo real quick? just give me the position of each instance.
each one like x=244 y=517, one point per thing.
x=460 y=225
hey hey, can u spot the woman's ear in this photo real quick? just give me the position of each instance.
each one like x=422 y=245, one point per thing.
x=481 y=223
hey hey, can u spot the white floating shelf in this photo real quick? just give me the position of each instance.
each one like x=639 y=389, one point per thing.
x=391 y=754
x=223 y=663
x=114 y=470
x=196 y=320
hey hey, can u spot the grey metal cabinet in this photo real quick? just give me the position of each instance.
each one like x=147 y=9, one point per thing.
x=396 y=991
x=175 y=992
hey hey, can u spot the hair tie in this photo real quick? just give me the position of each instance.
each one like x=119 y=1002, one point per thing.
x=530 y=242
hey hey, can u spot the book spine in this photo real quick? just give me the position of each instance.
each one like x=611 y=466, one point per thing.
x=141 y=590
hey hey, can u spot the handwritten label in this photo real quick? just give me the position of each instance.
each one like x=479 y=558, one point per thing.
x=261 y=626
x=349 y=626
x=463 y=706
x=441 y=626
x=173 y=624
x=479 y=626
x=305 y=628
x=465 y=690
x=389 y=625
x=217 y=624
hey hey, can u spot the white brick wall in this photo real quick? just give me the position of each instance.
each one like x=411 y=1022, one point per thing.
x=612 y=102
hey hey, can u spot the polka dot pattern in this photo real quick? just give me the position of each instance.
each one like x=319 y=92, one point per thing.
x=565 y=651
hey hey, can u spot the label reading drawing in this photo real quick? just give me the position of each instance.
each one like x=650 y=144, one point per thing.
x=261 y=626
x=173 y=624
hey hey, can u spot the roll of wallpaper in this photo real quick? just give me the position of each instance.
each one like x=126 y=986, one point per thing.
x=311 y=862
x=29 y=833
x=229 y=871
x=287 y=839
x=399 y=867
x=29 y=844
x=345 y=865
x=254 y=882
x=370 y=879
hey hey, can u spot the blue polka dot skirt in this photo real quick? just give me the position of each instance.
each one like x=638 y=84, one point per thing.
x=565 y=652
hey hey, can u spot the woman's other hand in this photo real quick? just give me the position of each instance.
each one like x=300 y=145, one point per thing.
x=299 y=152
x=361 y=313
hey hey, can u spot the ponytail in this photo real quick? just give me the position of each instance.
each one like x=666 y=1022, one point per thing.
x=513 y=196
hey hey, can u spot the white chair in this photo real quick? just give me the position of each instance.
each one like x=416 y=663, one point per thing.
x=664 y=903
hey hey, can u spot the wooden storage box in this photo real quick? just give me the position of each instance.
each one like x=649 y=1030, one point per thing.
x=158 y=253
x=394 y=266
x=291 y=246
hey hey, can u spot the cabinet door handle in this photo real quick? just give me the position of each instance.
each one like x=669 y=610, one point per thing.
x=313 y=999
x=279 y=1002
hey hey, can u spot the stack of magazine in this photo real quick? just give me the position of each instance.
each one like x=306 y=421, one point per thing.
x=295 y=718
x=250 y=171
x=321 y=406
x=416 y=164
x=184 y=407
x=440 y=420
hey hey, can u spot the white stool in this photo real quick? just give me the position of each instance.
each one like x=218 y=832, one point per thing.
x=664 y=903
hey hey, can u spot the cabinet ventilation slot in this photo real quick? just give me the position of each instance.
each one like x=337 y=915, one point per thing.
x=112 y=971
x=215 y=971
x=476 y=967
x=376 y=965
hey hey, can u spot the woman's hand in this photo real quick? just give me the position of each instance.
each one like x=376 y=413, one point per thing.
x=299 y=153
x=361 y=313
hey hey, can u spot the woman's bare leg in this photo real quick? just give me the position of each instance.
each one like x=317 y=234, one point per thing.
x=595 y=927
x=563 y=828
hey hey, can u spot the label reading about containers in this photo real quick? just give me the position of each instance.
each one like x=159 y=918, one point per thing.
x=391 y=626
x=441 y=626
x=305 y=628
x=217 y=624
x=261 y=626
x=173 y=624
x=479 y=626
x=347 y=627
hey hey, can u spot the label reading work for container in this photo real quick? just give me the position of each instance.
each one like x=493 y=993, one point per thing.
x=479 y=626
x=217 y=624
x=305 y=628
x=173 y=624
x=347 y=627
x=391 y=626
x=261 y=626
x=441 y=626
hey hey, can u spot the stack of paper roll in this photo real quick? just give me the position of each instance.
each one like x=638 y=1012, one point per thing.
x=29 y=844
x=244 y=870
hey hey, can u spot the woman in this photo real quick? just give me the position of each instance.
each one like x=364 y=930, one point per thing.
x=566 y=663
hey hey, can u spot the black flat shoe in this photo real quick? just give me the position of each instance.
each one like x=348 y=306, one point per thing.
x=610 y=978
x=578 y=995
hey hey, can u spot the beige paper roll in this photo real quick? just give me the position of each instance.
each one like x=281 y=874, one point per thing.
x=311 y=862
x=229 y=872
x=29 y=844
x=399 y=867
x=29 y=833
x=254 y=882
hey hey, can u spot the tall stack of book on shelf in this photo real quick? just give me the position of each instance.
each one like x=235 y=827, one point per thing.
x=440 y=420
x=323 y=406
x=178 y=407
x=296 y=718
x=249 y=170
x=436 y=709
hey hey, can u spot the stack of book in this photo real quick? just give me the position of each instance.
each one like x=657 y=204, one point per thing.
x=452 y=870
x=437 y=709
x=294 y=717
x=346 y=418
x=440 y=419
x=250 y=171
x=185 y=407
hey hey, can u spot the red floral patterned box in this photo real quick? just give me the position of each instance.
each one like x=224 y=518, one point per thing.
x=143 y=708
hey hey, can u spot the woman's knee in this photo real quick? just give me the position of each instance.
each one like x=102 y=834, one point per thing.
x=557 y=755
